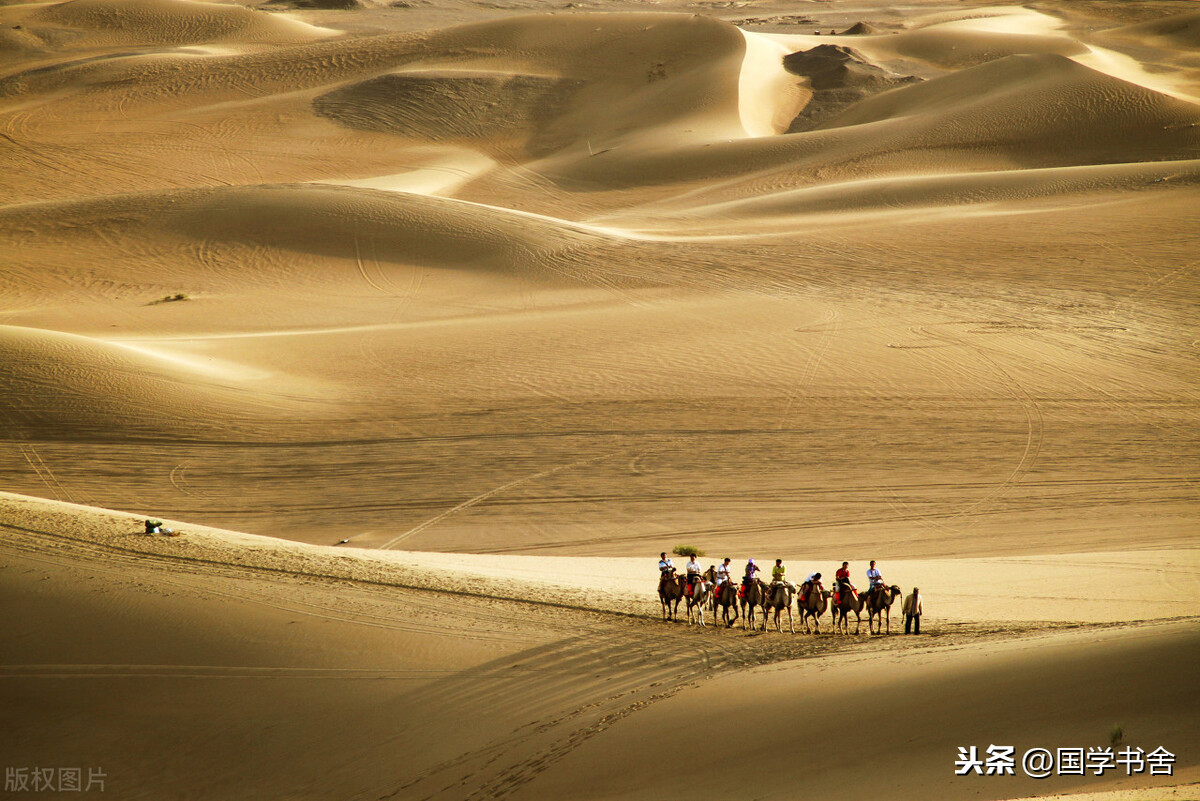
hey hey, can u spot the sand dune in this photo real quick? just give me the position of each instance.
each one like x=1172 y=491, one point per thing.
x=326 y=220
x=1093 y=104
x=1028 y=111
x=450 y=106
x=121 y=631
x=900 y=195
x=58 y=385
x=1179 y=30
x=636 y=76
x=428 y=325
x=167 y=22
x=958 y=39
x=1025 y=696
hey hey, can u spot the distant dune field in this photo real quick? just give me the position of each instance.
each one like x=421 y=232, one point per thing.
x=474 y=308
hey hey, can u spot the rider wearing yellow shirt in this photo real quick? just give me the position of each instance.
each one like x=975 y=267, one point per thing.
x=777 y=574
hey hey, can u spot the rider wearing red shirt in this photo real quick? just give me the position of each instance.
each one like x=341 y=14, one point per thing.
x=842 y=579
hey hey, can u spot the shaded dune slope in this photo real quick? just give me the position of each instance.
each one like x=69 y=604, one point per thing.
x=1048 y=694
x=591 y=79
x=496 y=112
x=839 y=77
x=1179 y=30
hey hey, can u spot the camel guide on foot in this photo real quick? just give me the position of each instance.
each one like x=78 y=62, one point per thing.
x=912 y=612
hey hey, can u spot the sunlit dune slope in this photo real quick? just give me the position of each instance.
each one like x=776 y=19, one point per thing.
x=55 y=385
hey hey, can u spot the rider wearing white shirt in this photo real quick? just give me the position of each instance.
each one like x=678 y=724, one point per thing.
x=693 y=568
x=813 y=582
x=874 y=576
x=723 y=572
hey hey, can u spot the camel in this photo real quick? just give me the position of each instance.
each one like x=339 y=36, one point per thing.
x=848 y=602
x=779 y=597
x=670 y=588
x=726 y=597
x=813 y=607
x=701 y=596
x=755 y=595
x=879 y=602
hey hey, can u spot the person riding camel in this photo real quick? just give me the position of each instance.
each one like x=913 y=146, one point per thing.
x=875 y=577
x=842 y=582
x=693 y=573
x=810 y=583
x=666 y=568
x=723 y=576
x=778 y=575
x=748 y=578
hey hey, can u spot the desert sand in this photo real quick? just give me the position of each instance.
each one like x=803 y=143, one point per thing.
x=427 y=326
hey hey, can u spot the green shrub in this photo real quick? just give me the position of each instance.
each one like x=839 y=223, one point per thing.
x=1116 y=735
x=687 y=550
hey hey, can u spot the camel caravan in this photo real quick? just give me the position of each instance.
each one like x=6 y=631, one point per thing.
x=716 y=589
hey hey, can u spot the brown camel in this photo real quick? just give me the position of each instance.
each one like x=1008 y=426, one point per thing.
x=670 y=590
x=755 y=595
x=813 y=607
x=848 y=602
x=779 y=597
x=879 y=602
x=725 y=597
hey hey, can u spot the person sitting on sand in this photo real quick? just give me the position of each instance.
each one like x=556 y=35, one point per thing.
x=751 y=569
x=666 y=568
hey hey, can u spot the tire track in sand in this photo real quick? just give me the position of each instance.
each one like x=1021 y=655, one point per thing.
x=467 y=504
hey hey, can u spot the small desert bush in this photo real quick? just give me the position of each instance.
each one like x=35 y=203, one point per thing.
x=687 y=550
x=1116 y=735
